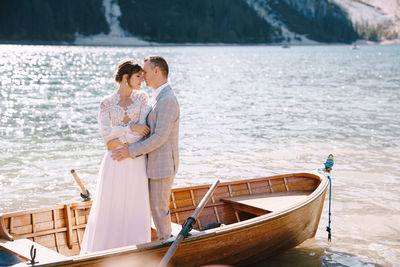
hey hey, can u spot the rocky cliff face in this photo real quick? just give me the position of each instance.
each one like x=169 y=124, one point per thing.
x=299 y=20
x=306 y=21
x=375 y=20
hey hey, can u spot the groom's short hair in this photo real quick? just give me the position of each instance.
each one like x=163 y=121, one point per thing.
x=159 y=62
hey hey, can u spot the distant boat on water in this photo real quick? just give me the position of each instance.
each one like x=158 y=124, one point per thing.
x=353 y=47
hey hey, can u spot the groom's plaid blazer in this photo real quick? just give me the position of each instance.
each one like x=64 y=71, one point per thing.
x=161 y=146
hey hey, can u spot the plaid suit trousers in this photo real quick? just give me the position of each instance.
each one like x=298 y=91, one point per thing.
x=160 y=191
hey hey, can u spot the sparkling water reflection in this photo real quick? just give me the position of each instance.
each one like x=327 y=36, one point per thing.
x=246 y=112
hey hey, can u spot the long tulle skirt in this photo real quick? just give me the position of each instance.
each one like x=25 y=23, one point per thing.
x=120 y=213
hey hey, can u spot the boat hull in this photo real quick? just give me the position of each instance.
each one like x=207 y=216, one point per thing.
x=239 y=243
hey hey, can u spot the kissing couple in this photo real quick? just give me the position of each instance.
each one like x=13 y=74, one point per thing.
x=141 y=161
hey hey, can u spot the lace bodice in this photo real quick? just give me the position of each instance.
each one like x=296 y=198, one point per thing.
x=111 y=117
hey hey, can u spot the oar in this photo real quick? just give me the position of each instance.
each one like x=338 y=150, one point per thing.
x=187 y=226
x=85 y=193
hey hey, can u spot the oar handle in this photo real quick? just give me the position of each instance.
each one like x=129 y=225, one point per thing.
x=188 y=225
x=78 y=181
x=85 y=192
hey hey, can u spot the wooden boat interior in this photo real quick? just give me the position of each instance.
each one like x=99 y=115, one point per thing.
x=60 y=228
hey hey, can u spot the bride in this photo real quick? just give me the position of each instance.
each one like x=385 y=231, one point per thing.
x=120 y=213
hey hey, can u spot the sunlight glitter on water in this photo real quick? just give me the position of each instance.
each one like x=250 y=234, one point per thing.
x=245 y=112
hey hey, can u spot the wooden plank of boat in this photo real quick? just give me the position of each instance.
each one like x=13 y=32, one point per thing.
x=266 y=203
x=288 y=209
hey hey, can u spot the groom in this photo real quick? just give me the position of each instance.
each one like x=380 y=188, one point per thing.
x=161 y=146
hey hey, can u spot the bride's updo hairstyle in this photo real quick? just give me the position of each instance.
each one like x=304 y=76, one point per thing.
x=127 y=66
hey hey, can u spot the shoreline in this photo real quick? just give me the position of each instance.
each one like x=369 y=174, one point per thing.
x=155 y=44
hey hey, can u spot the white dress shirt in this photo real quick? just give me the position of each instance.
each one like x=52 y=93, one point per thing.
x=157 y=92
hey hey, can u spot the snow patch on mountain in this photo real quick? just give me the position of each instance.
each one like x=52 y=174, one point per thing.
x=116 y=36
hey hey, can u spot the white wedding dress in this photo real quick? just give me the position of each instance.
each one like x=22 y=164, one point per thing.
x=120 y=213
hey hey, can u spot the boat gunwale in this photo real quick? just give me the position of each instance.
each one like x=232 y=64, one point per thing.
x=179 y=189
x=44 y=209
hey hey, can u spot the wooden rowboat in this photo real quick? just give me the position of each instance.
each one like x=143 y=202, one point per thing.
x=259 y=218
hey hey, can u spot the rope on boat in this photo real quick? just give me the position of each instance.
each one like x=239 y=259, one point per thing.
x=328 y=228
x=328 y=167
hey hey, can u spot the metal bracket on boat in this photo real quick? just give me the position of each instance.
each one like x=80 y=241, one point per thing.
x=188 y=225
x=33 y=256
x=86 y=197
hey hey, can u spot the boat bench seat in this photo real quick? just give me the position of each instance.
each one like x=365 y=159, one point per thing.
x=260 y=204
x=22 y=248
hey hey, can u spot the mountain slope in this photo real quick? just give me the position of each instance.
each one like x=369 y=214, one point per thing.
x=375 y=20
x=141 y=22
x=49 y=20
x=227 y=21
x=305 y=20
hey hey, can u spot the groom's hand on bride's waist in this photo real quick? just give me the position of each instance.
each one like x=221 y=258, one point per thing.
x=120 y=153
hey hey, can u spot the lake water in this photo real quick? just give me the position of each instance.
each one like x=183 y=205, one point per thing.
x=246 y=112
